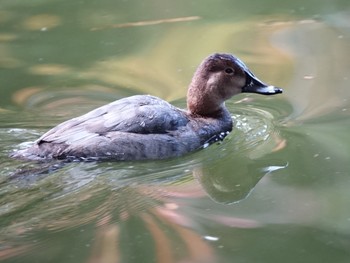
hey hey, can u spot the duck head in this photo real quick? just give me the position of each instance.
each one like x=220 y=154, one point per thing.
x=218 y=78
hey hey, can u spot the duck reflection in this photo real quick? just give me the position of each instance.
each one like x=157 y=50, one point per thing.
x=131 y=215
x=230 y=181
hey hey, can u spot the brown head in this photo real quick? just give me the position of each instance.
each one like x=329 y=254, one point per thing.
x=218 y=78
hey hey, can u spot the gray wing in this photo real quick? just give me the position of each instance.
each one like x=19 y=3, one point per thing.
x=141 y=114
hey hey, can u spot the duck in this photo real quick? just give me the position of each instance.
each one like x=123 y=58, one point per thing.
x=145 y=127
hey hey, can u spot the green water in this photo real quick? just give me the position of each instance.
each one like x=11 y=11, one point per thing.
x=277 y=188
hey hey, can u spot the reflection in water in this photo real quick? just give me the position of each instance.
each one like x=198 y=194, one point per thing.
x=120 y=203
x=150 y=23
x=164 y=226
x=7 y=61
x=231 y=180
x=50 y=69
x=111 y=212
x=234 y=175
x=115 y=208
x=42 y=22
x=317 y=88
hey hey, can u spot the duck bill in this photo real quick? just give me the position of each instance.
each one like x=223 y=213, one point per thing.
x=254 y=85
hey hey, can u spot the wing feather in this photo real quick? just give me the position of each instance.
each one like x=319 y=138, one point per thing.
x=142 y=114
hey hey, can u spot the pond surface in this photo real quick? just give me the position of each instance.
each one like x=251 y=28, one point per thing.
x=275 y=190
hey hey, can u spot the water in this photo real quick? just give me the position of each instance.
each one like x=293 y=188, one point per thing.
x=276 y=189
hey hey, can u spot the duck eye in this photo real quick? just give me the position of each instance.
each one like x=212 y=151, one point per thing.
x=229 y=70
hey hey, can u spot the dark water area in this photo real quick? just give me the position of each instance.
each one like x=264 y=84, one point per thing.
x=275 y=190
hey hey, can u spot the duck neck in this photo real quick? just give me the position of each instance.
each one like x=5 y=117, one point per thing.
x=201 y=101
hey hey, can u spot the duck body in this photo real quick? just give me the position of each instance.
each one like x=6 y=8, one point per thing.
x=135 y=128
x=144 y=127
